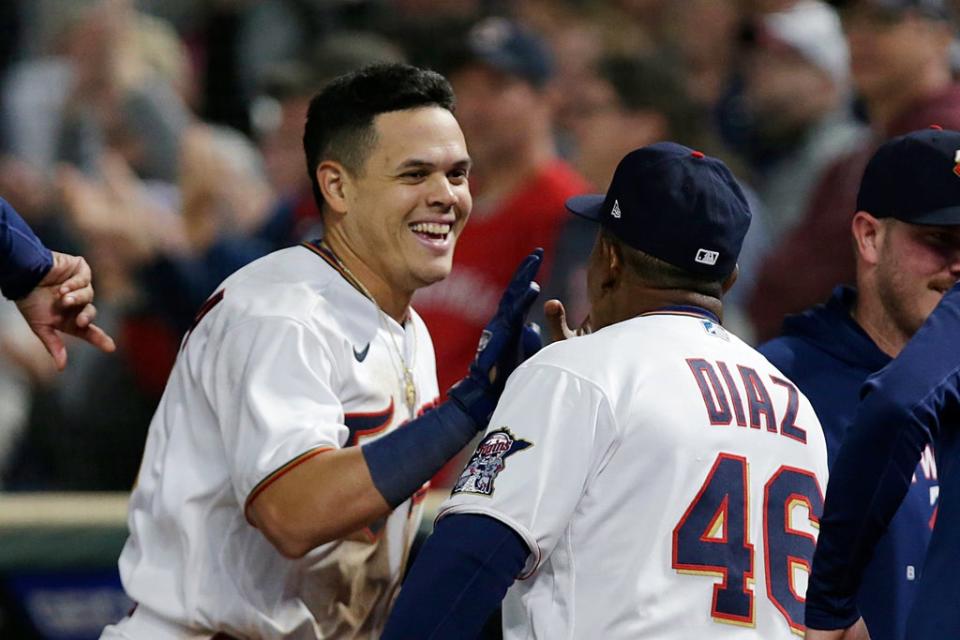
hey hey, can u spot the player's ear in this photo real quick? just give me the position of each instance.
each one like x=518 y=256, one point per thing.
x=612 y=260
x=867 y=234
x=332 y=176
x=730 y=279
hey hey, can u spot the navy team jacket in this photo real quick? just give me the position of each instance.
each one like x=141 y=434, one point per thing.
x=829 y=357
x=911 y=402
x=23 y=258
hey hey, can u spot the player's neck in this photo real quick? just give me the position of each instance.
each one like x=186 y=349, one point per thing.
x=640 y=301
x=869 y=314
x=390 y=299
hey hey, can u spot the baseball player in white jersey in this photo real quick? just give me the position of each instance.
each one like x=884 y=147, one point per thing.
x=657 y=478
x=277 y=497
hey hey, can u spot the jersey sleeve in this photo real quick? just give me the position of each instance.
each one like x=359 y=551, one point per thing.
x=546 y=440
x=899 y=414
x=23 y=258
x=272 y=390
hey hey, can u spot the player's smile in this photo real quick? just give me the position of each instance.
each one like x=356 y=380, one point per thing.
x=437 y=236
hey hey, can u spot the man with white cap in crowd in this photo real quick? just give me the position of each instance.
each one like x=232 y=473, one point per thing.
x=796 y=94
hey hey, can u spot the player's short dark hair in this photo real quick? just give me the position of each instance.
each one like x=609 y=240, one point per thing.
x=340 y=118
x=661 y=274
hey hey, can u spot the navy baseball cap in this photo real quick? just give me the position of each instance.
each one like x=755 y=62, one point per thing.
x=914 y=178
x=511 y=48
x=675 y=204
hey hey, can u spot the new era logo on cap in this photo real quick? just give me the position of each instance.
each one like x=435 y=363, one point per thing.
x=705 y=256
x=615 y=212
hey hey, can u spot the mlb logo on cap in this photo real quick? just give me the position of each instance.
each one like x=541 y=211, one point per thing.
x=672 y=202
x=705 y=256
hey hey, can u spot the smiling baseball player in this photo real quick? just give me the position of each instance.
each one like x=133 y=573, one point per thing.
x=278 y=496
x=657 y=478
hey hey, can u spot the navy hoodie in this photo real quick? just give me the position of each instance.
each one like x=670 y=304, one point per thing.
x=829 y=357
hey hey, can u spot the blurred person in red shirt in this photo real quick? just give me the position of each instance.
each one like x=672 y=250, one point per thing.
x=501 y=79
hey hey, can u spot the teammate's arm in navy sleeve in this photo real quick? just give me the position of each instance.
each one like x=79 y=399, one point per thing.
x=458 y=580
x=897 y=417
x=23 y=258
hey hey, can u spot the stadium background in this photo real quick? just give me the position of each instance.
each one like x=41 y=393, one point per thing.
x=161 y=140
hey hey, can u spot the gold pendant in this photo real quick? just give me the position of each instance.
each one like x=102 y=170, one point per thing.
x=410 y=390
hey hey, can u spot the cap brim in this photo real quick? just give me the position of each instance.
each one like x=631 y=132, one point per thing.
x=948 y=216
x=586 y=206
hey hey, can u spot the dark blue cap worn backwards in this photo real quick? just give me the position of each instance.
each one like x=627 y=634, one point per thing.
x=675 y=204
x=914 y=178
x=511 y=48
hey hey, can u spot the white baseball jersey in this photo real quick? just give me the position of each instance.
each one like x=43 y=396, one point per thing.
x=667 y=479
x=287 y=360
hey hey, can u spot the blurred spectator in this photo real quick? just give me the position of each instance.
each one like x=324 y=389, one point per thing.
x=704 y=35
x=625 y=102
x=238 y=42
x=797 y=92
x=519 y=184
x=18 y=351
x=901 y=69
x=630 y=102
x=107 y=84
x=11 y=28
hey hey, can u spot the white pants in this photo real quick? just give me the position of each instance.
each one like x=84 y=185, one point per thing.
x=143 y=625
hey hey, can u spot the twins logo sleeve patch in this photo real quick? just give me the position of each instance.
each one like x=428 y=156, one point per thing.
x=488 y=461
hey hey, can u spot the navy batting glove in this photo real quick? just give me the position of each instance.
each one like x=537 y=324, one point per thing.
x=531 y=340
x=504 y=344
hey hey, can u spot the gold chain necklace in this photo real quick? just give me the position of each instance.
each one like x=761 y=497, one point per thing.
x=404 y=371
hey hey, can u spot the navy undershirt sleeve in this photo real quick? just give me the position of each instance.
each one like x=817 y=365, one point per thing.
x=899 y=414
x=24 y=261
x=458 y=579
x=401 y=461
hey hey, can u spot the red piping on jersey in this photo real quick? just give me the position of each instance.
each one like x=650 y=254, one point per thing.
x=279 y=473
x=321 y=249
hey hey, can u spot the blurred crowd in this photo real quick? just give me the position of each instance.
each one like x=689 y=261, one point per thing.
x=161 y=140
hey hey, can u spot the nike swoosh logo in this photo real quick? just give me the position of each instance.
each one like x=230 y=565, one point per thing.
x=361 y=355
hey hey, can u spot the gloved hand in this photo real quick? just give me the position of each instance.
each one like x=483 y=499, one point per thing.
x=504 y=343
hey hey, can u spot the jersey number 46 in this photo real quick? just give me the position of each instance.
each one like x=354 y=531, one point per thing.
x=712 y=538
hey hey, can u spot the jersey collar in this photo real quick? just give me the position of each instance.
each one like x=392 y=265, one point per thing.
x=361 y=311
x=328 y=256
x=684 y=310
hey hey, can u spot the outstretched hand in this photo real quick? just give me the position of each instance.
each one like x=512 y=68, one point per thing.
x=505 y=342
x=63 y=303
